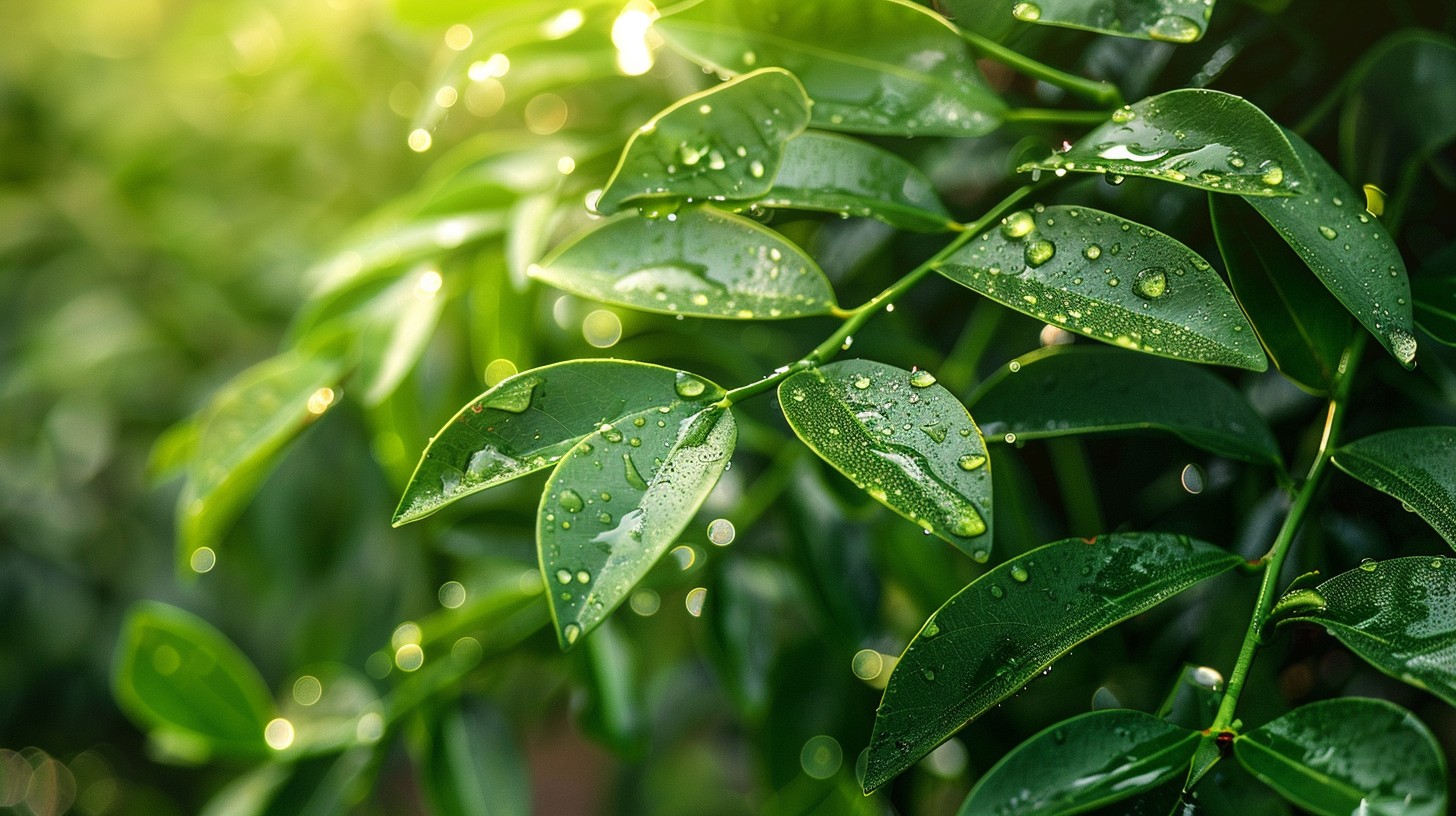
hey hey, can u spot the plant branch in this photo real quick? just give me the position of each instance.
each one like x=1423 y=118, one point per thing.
x=1102 y=93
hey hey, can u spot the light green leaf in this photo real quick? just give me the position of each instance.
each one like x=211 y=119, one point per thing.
x=914 y=76
x=620 y=498
x=1349 y=756
x=1085 y=762
x=397 y=243
x=1176 y=21
x=1068 y=390
x=697 y=261
x=902 y=438
x=329 y=707
x=723 y=144
x=1109 y=279
x=1003 y=629
x=474 y=767
x=1199 y=138
x=1415 y=465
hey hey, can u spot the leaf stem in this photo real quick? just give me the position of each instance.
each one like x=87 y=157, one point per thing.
x=1102 y=93
x=1092 y=117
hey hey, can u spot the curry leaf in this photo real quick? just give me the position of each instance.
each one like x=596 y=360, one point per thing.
x=1178 y=21
x=1415 y=465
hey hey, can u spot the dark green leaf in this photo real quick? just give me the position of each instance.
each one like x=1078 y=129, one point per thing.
x=987 y=18
x=1415 y=465
x=903 y=439
x=723 y=144
x=1085 y=762
x=697 y=261
x=1008 y=625
x=1349 y=756
x=1177 y=21
x=1200 y=138
x=1380 y=130
x=474 y=767
x=1434 y=290
x=914 y=76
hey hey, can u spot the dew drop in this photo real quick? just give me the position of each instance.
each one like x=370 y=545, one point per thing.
x=583 y=577
x=755 y=168
x=1403 y=343
x=1206 y=677
x=611 y=434
x=1092 y=252
x=1151 y=283
x=571 y=501
x=1369 y=565
x=604 y=517
x=1328 y=232
x=1123 y=115
x=633 y=477
x=971 y=461
x=1175 y=28
x=564 y=576
x=571 y=632
x=1029 y=12
x=997 y=591
x=1019 y=573
x=931 y=629
x=928 y=674
x=1018 y=224
x=920 y=378
x=1039 y=252
x=688 y=386
x=1273 y=176
x=862 y=383
x=981 y=556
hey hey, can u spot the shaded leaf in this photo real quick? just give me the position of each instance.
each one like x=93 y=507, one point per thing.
x=902 y=438
x=1380 y=131
x=1177 y=21
x=615 y=714
x=1434 y=291
x=698 y=261
x=1003 y=629
x=1415 y=465
x=915 y=76
x=1349 y=755
x=474 y=767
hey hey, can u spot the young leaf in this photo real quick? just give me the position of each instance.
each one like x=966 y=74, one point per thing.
x=1200 y=138
x=697 y=261
x=1088 y=761
x=474 y=766
x=1348 y=249
x=617 y=501
x=528 y=422
x=902 y=438
x=1065 y=390
x=1415 y=465
x=1399 y=615
x=1177 y=21
x=723 y=144
x=1349 y=755
x=1003 y=629
x=1110 y=279
x=914 y=77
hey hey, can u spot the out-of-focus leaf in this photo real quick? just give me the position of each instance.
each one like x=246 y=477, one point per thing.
x=902 y=438
x=1349 y=756
x=989 y=18
x=724 y=144
x=697 y=261
x=1415 y=465
x=1109 y=279
x=1200 y=138
x=172 y=451
x=1379 y=130
x=330 y=707
x=474 y=767
x=1004 y=628
x=1434 y=291
x=248 y=794
x=403 y=243
x=1066 y=390
x=324 y=786
x=1088 y=761
x=914 y=77
x=616 y=713
x=1177 y=21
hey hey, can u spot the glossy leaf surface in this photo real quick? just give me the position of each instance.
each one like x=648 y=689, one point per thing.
x=1200 y=138
x=1085 y=762
x=698 y=261
x=724 y=144
x=1415 y=465
x=914 y=77
x=1002 y=630
x=902 y=438
x=1177 y=21
x=1349 y=756
x=474 y=767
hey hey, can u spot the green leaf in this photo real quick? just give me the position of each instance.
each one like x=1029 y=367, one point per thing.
x=902 y=438
x=1109 y=279
x=1085 y=762
x=1176 y=21
x=1067 y=390
x=1300 y=324
x=838 y=174
x=1415 y=465
x=474 y=767
x=723 y=144
x=1349 y=755
x=396 y=243
x=528 y=422
x=1002 y=630
x=1199 y=138
x=1399 y=615
x=1348 y=249
x=188 y=685
x=697 y=261
x=1381 y=131
x=326 y=706
x=1434 y=291
x=914 y=77
x=620 y=498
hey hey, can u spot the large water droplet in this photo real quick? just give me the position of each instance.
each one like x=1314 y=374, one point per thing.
x=1403 y=343
x=1018 y=224
x=1273 y=176
x=634 y=478
x=1151 y=283
x=971 y=461
x=1019 y=573
x=1039 y=252
x=1369 y=565
x=920 y=378
x=571 y=501
x=1092 y=252
x=688 y=386
x=564 y=576
x=1328 y=232
x=1029 y=12
x=1175 y=28
x=516 y=398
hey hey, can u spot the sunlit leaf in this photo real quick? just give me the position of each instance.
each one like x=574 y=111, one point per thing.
x=1199 y=138
x=1085 y=762
x=1381 y=131
x=329 y=707
x=398 y=243
x=474 y=767
x=1415 y=465
x=901 y=437
x=1177 y=21
x=1002 y=630
x=697 y=261
x=1109 y=279
x=1349 y=756
x=914 y=76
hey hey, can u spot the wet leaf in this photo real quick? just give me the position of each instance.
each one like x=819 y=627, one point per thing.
x=697 y=261
x=1415 y=465
x=1349 y=755
x=902 y=438
x=1176 y=21
x=914 y=77
x=1400 y=616
x=474 y=766
x=723 y=144
x=1003 y=629
x=1088 y=761
x=620 y=498
x=1110 y=279
x=529 y=421
x=1067 y=390
x=1199 y=138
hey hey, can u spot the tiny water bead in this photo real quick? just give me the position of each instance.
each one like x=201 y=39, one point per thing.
x=1092 y=252
x=697 y=596
x=1192 y=479
x=721 y=532
x=997 y=592
x=867 y=664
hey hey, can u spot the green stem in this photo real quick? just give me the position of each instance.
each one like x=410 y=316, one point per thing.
x=1102 y=93
x=1092 y=117
x=1079 y=492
